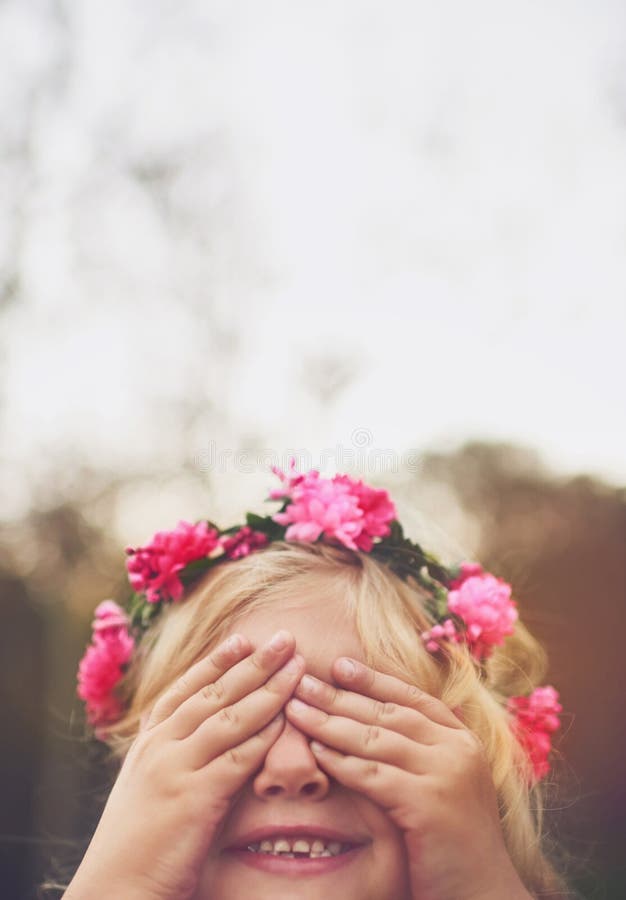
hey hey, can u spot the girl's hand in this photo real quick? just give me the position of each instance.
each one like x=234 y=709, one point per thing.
x=410 y=754
x=203 y=740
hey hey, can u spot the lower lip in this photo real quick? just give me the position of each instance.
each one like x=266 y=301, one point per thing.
x=282 y=865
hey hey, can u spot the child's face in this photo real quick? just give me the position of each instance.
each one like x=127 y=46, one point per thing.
x=291 y=789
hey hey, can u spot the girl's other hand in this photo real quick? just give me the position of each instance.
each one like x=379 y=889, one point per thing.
x=410 y=754
x=204 y=738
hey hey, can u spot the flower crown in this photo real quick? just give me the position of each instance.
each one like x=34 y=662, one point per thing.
x=469 y=606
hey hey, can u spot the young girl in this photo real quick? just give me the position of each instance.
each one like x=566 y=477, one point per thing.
x=311 y=706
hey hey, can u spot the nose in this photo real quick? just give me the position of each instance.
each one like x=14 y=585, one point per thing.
x=290 y=769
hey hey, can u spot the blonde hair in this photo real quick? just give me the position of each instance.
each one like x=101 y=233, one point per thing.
x=390 y=615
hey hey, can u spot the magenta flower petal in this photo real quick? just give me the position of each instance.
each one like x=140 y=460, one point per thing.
x=535 y=718
x=104 y=662
x=243 y=542
x=341 y=509
x=485 y=605
x=153 y=569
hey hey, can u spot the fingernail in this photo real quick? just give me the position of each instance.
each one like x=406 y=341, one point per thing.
x=280 y=640
x=346 y=668
x=308 y=684
x=234 y=643
x=298 y=706
x=292 y=666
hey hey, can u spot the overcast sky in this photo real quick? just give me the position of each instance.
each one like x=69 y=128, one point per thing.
x=203 y=197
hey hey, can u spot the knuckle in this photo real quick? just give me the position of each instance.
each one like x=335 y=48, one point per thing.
x=215 y=659
x=234 y=757
x=414 y=693
x=372 y=735
x=181 y=685
x=213 y=691
x=228 y=716
x=380 y=709
x=257 y=661
x=371 y=769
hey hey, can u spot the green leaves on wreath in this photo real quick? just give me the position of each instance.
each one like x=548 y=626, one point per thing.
x=407 y=558
x=266 y=525
x=140 y=612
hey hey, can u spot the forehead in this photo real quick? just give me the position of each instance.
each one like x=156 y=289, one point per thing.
x=322 y=626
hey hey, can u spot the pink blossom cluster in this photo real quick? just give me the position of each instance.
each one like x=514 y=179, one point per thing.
x=445 y=631
x=102 y=665
x=536 y=718
x=243 y=542
x=484 y=604
x=341 y=509
x=153 y=569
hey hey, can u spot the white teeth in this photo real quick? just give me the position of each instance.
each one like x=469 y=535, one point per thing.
x=301 y=847
x=283 y=847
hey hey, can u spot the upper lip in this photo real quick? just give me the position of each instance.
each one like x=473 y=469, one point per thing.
x=256 y=835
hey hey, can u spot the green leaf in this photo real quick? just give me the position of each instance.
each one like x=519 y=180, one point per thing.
x=149 y=611
x=195 y=568
x=266 y=525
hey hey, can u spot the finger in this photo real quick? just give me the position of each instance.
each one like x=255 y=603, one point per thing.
x=232 y=725
x=359 y=677
x=385 y=785
x=229 y=772
x=359 y=739
x=203 y=672
x=383 y=713
x=238 y=681
x=215 y=676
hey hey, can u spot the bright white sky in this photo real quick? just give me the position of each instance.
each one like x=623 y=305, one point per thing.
x=434 y=191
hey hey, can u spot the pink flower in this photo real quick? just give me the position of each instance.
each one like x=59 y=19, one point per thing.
x=242 y=542
x=340 y=508
x=484 y=603
x=444 y=631
x=319 y=506
x=108 y=615
x=377 y=507
x=153 y=569
x=289 y=480
x=103 y=664
x=536 y=717
x=467 y=570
